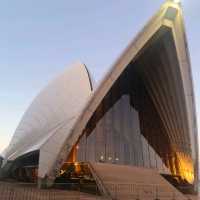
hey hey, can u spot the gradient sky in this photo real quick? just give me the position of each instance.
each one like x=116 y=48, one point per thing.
x=39 y=39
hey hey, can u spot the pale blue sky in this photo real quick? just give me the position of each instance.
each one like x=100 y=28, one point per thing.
x=39 y=39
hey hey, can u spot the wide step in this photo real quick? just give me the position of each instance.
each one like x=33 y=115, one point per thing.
x=127 y=182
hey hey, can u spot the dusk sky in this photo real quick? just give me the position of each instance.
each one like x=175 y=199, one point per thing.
x=39 y=39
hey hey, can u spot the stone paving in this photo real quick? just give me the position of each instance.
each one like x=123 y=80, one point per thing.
x=16 y=191
x=192 y=197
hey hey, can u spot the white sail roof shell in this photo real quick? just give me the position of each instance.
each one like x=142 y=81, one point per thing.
x=170 y=16
x=59 y=115
x=57 y=106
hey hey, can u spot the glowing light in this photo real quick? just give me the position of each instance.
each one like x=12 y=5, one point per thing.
x=62 y=172
x=77 y=167
x=117 y=159
x=101 y=157
x=177 y=1
x=186 y=167
x=109 y=158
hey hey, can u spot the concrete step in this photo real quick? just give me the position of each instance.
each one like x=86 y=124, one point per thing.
x=128 y=182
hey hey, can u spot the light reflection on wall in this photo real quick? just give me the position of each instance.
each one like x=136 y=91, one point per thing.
x=186 y=167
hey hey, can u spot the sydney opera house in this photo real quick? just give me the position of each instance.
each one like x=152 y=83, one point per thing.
x=141 y=116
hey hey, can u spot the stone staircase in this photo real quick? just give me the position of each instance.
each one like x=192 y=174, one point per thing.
x=115 y=182
x=119 y=182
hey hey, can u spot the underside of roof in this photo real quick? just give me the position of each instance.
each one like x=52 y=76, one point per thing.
x=160 y=51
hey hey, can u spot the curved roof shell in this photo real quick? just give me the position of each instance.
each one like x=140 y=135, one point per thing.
x=56 y=108
x=170 y=17
x=57 y=117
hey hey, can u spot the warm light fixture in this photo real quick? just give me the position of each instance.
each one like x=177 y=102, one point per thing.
x=101 y=157
x=62 y=172
x=109 y=158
